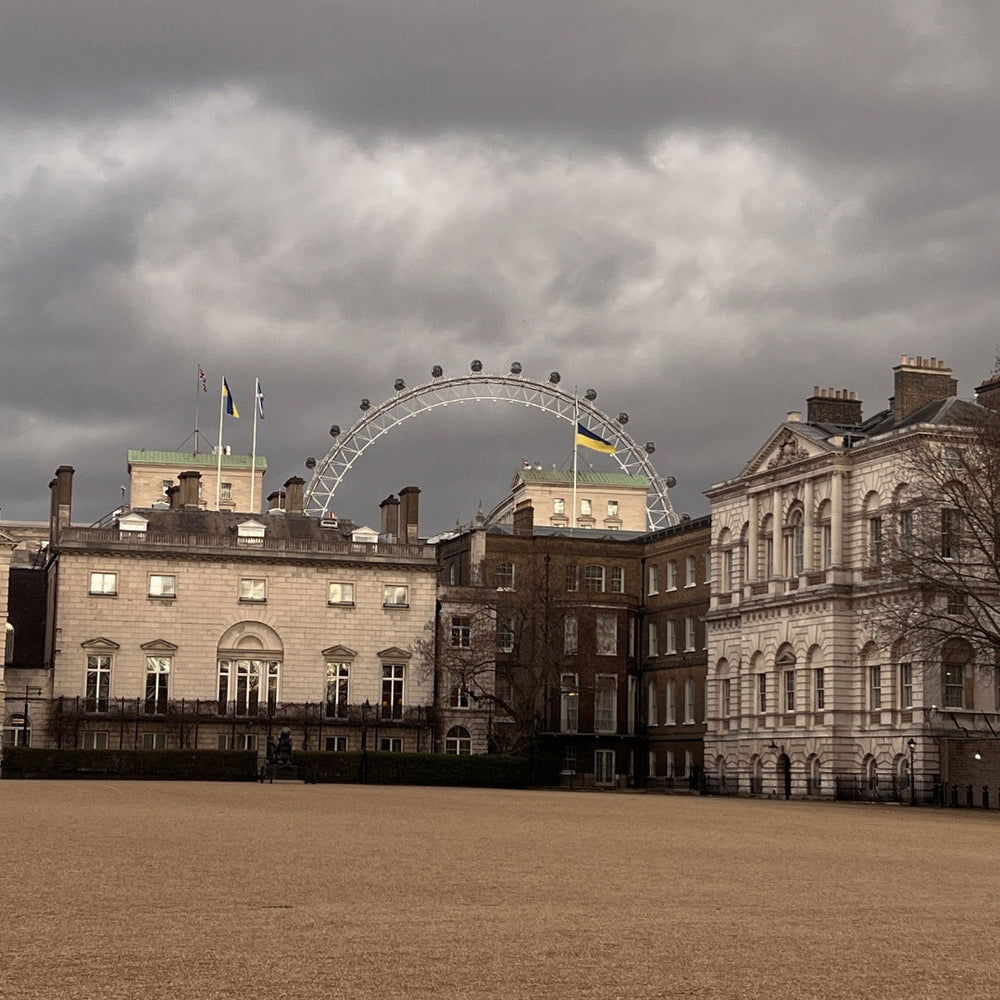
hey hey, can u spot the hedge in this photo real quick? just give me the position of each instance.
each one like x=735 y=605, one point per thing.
x=181 y=765
x=381 y=768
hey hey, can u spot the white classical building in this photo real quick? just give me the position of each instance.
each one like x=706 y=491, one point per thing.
x=800 y=695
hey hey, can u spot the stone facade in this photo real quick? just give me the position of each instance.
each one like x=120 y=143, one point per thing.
x=153 y=473
x=799 y=694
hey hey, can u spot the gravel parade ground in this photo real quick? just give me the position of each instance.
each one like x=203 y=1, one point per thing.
x=191 y=890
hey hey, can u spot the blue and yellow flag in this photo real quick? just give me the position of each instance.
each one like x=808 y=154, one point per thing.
x=228 y=397
x=588 y=439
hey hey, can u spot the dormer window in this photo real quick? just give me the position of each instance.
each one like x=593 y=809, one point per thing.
x=132 y=523
x=250 y=533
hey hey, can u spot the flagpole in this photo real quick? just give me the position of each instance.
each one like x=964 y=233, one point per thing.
x=197 y=402
x=253 y=458
x=576 y=425
x=218 y=468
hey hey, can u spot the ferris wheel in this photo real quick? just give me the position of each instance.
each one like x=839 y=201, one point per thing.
x=476 y=387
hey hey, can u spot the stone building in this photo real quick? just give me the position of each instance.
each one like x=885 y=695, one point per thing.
x=803 y=690
x=177 y=626
x=676 y=572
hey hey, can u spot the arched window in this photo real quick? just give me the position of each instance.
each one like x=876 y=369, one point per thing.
x=458 y=741
x=794 y=540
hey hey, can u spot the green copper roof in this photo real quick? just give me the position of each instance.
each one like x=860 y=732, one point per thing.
x=560 y=477
x=192 y=461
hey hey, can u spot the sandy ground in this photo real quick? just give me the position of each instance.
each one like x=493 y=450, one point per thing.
x=122 y=889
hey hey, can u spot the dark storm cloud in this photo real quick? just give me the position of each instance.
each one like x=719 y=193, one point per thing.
x=702 y=210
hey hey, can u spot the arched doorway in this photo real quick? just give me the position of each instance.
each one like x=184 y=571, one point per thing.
x=783 y=769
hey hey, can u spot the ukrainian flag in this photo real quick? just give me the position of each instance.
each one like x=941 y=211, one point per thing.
x=228 y=397
x=588 y=439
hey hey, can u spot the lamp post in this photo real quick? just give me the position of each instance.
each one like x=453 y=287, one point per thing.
x=26 y=728
x=912 y=744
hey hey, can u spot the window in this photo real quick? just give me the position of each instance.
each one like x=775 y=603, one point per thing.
x=458 y=741
x=16 y=733
x=653 y=641
x=166 y=483
x=503 y=694
x=762 y=693
x=689 y=633
x=794 y=538
x=688 y=763
x=569 y=703
x=875 y=541
x=906 y=685
x=458 y=696
x=252 y=589
x=727 y=571
x=392 y=690
x=571 y=635
x=239 y=741
x=225 y=491
x=789 y=688
x=586 y=508
x=906 y=533
x=670 y=764
x=98 y=690
x=612 y=508
x=505 y=633
x=825 y=535
x=154 y=741
x=671 y=715
x=767 y=543
x=606 y=703
x=503 y=574
x=95 y=741
x=105 y=584
x=691 y=572
x=593 y=579
x=157 y=684
x=569 y=760
x=607 y=634
x=954 y=685
x=335 y=744
x=395 y=595
x=819 y=690
x=338 y=688
x=391 y=744
x=558 y=506
x=340 y=593
x=617 y=583
x=952 y=458
x=162 y=585
x=604 y=767
x=689 y=701
x=240 y=684
x=950 y=533
x=653 y=586
x=671 y=636
x=651 y=706
x=671 y=575
x=726 y=698
x=875 y=688
x=572 y=578
x=461 y=632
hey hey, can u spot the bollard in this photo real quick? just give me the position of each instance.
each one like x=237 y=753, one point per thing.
x=968 y=796
x=986 y=796
x=954 y=796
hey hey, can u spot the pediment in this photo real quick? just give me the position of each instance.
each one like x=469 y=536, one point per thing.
x=159 y=646
x=7 y=539
x=99 y=642
x=393 y=653
x=339 y=653
x=784 y=447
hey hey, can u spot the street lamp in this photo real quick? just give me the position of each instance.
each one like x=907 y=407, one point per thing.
x=912 y=744
x=25 y=729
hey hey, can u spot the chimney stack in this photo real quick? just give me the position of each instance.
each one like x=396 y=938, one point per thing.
x=919 y=381
x=389 y=529
x=174 y=496
x=276 y=500
x=988 y=393
x=409 y=514
x=524 y=519
x=189 y=490
x=833 y=406
x=61 y=502
x=296 y=503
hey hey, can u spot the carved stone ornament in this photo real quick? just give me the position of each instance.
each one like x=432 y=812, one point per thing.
x=787 y=451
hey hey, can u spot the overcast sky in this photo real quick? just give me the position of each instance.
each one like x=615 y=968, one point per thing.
x=702 y=210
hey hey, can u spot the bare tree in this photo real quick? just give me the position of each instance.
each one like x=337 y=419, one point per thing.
x=943 y=545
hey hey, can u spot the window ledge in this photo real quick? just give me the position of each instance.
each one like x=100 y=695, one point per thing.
x=397 y=607
x=340 y=604
x=253 y=600
x=162 y=597
x=102 y=593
